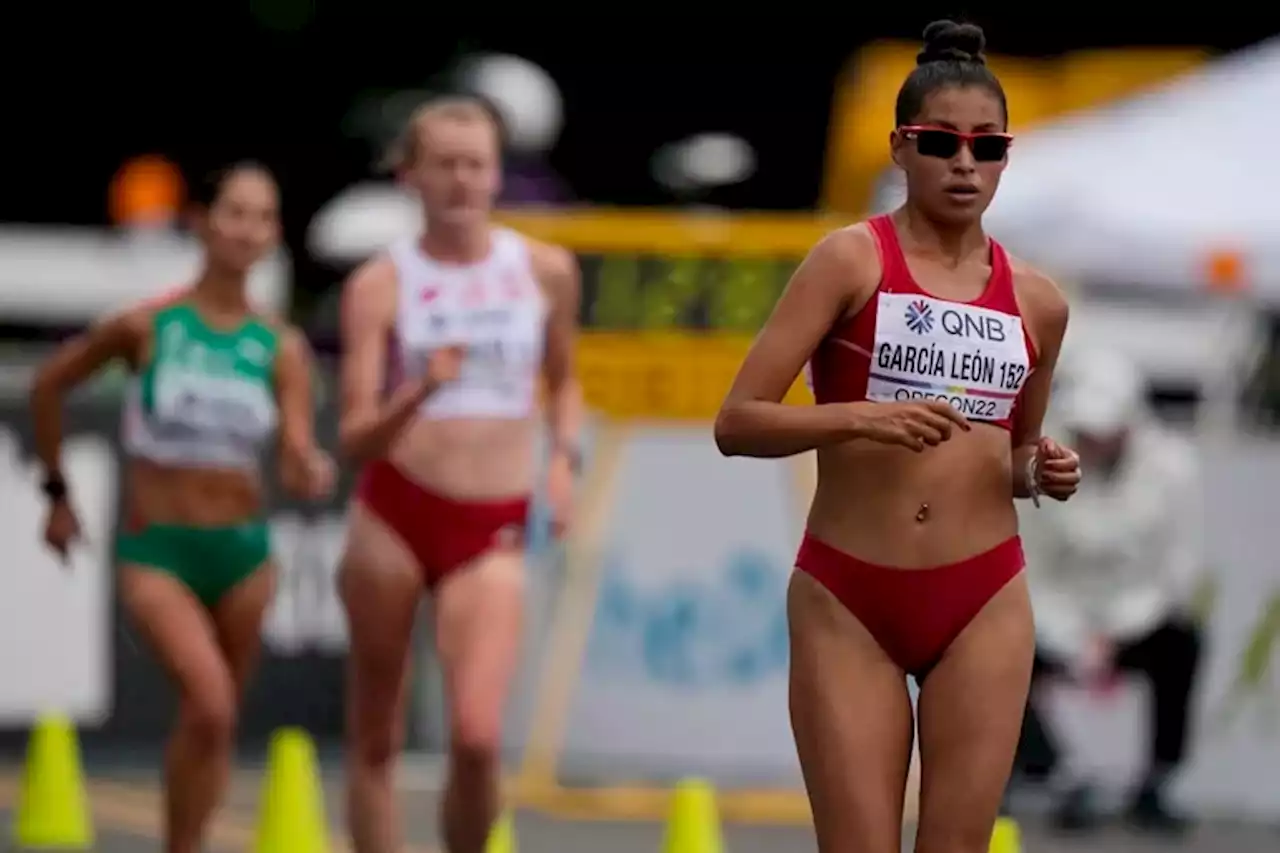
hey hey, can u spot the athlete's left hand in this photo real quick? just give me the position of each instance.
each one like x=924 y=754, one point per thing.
x=1057 y=470
x=560 y=483
x=308 y=474
x=321 y=475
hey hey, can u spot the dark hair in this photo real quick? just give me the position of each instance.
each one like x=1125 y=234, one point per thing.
x=952 y=56
x=206 y=193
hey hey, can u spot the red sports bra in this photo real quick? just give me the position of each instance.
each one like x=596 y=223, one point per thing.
x=907 y=345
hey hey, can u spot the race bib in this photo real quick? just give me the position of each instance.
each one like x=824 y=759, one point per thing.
x=499 y=327
x=198 y=402
x=930 y=349
x=502 y=366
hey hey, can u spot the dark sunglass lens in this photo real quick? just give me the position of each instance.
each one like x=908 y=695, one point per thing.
x=937 y=143
x=988 y=149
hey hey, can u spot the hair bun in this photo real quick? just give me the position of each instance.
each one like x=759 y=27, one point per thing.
x=947 y=41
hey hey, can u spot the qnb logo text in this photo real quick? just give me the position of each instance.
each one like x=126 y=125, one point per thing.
x=964 y=324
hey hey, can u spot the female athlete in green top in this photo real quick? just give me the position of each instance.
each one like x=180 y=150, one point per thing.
x=212 y=383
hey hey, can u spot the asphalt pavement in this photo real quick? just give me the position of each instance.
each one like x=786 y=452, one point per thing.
x=127 y=819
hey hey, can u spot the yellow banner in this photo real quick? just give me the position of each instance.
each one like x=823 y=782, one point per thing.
x=663 y=376
x=604 y=230
x=712 y=260
x=672 y=271
x=1037 y=89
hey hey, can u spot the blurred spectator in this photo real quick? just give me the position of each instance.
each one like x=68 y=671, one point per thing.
x=1113 y=576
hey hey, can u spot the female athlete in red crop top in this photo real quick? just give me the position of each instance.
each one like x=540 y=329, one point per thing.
x=931 y=355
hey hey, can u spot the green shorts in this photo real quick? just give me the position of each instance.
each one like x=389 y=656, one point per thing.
x=208 y=560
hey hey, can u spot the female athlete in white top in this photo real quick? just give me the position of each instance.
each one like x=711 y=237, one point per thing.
x=444 y=340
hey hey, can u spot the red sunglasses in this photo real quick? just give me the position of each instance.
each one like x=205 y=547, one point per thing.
x=945 y=144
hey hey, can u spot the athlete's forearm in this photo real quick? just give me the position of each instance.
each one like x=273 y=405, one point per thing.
x=369 y=434
x=564 y=415
x=295 y=452
x=1021 y=470
x=46 y=415
x=773 y=430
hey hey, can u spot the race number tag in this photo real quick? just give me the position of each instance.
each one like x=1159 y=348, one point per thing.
x=226 y=404
x=501 y=332
x=930 y=349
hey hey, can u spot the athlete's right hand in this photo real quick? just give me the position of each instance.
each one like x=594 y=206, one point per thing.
x=443 y=366
x=61 y=528
x=915 y=425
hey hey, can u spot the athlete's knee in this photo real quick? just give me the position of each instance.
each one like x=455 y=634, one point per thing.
x=964 y=837
x=952 y=845
x=374 y=724
x=476 y=735
x=208 y=710
x=375 y=744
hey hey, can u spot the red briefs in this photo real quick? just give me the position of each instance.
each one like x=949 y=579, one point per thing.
x=442 y=533
x=914 y=614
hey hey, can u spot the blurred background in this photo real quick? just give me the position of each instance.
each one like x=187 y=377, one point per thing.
x=690 y=169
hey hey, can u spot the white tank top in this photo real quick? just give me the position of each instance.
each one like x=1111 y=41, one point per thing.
x=496 y=308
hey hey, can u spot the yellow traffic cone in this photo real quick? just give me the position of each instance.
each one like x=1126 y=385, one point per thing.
x=1006 y=837
x=502 y=838
x=291 y=809
x=52 y=808
x=693 y=824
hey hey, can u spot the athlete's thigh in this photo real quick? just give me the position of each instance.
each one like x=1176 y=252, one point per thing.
x=970 y=714
x=479 y=624
x=179 y=630
x=238 y=620
x=380 y=585
x=851 y=715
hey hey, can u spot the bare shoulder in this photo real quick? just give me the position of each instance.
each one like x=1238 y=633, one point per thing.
x=131 y=328
x=140 y=316
x=1042 y=302
x=846 y=260
x=1039 y=293
x=292 y=340
x=554 y=265
x=135 y=321
x=370 y=291
x=375 y=276
x=853 y=245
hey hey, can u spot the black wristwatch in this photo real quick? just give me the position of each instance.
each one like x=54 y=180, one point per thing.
x=54 y=487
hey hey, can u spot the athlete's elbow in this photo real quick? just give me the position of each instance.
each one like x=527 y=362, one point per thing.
x=353 y=441
x=728 y=431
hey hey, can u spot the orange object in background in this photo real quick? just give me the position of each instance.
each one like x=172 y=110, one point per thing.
x=146 y=191
x=1225 y=272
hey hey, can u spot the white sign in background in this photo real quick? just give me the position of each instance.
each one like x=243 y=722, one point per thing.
x=686 y=668
x=55 y=619
x=680 y=677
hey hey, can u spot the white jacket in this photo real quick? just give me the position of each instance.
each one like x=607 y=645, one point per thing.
x=1122 y=554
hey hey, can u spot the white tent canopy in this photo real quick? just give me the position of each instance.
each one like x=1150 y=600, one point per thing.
x=1149 y=191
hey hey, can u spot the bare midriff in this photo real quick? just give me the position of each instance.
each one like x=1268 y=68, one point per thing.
x=468 y=458
x=192 y=497
x=895 y=507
